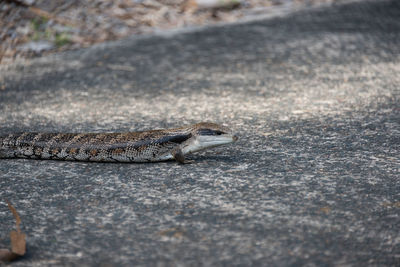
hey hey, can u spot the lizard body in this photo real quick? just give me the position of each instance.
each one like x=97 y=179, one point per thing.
x=145 y=146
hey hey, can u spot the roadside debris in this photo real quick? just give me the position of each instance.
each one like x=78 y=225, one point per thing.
x=31 y=28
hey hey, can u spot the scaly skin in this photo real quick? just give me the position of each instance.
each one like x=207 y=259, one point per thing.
x=147 y=146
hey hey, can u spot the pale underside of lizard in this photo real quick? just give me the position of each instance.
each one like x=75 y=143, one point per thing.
x=146 y=146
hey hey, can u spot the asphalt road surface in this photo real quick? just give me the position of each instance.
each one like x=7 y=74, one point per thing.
x=313 y=180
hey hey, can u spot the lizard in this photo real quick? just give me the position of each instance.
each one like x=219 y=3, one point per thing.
x=144 y=146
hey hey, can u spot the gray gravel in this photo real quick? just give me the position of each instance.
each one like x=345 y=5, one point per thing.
x=313 y=179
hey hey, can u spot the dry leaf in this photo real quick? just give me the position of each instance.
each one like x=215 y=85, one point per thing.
x=325 y=210
x=15 y=214
x=18 y=240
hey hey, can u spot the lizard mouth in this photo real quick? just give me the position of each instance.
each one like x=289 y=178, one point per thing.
x=211 y=141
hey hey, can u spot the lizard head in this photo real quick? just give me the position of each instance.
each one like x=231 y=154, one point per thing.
x=207 y=135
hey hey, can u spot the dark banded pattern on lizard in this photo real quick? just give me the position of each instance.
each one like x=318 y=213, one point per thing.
x=146 y=146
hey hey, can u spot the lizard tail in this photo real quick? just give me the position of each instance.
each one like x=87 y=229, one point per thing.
x=4 y=150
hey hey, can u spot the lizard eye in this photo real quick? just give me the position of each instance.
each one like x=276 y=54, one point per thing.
x=205 y=132
x=209 y=132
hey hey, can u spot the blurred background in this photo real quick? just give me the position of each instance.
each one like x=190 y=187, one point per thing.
x=31 y=28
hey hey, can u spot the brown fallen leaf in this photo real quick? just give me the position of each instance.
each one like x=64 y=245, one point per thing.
x=325 y=210
x=18 y=243
x=15 y=214
x=175 y=232
x=18 y=240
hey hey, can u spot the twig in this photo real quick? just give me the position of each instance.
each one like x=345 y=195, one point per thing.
x=47 y=15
